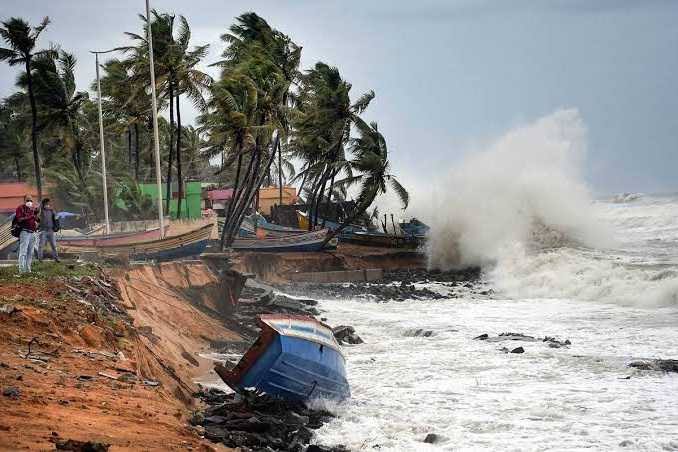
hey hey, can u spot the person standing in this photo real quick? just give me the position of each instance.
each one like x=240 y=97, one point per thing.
x=49 y=225
x=27 y=219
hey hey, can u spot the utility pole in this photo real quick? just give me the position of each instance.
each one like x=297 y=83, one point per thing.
x=101 y=142
x=156 y=139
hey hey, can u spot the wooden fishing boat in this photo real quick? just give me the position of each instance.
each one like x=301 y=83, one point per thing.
x=380 y=239
x=294 y=358
x=183 y=245
x=6 y=237
x=307 y=241
x=266 y=229
x=115 y=239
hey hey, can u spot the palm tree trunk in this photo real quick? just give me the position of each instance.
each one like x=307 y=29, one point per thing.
x=168 y=189
x=329 y=196
x=230 y=204
x=303 y=182
x=17 y=162
x=280 y=183
x=359 y=210
x=129 y=147
x=236 y=200
x=319 y=197
x=34 y=129
x=180 y=178
x=254 y=188
x=136 y=152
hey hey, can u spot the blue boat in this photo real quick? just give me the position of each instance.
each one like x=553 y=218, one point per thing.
x=294 y=358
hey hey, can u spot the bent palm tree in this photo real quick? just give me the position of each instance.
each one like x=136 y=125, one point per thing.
x=21 y=39
x=371 y=162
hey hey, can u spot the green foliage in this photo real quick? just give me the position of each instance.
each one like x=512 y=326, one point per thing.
x=259 y=118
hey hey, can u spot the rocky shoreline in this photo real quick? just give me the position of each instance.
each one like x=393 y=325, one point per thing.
x=396 y=285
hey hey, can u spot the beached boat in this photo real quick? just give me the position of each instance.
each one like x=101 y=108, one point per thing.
x=265 y=229
x=115 y=239
x=6 y=237
x=380 y=239
x=294 y=358
x=183 y=245
x=307 y=241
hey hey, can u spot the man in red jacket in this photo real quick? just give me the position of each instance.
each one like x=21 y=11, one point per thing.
x=27 y=219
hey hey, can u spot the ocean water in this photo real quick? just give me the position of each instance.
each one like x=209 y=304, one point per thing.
x=615 y=303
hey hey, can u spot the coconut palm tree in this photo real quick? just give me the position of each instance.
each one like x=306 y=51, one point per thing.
x=373 y=176
x=322 y=127
x=22 y=39
x=188 y=80
x=263 y=59
x=176 y=74
x=61 y=105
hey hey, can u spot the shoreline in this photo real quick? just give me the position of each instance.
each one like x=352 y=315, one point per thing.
x=120 y=349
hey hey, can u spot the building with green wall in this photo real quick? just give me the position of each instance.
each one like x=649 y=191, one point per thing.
x=190 y=205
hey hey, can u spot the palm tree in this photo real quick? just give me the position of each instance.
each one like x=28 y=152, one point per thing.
x=12 y=138
x=372 y=165
x=187 y=80
x=322 y=127
x=127 y=104
x=22 y=39
x=263 y=59
x=61 y=105
x=177 y=74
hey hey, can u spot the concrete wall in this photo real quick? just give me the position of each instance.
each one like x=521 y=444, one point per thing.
x=371 y=274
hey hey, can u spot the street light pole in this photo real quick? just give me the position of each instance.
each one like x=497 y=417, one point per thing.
x=156 y=139
x=102 y=144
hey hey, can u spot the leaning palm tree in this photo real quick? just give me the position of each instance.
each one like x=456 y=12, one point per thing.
x=322 y=126
x=371 y=164
x=265 y=58
x=61 y=105
x=21 y=39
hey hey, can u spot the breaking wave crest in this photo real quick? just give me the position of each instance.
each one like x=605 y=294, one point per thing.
x=520 y=210
x=525 y=188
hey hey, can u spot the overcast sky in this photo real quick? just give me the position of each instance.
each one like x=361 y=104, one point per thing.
x=449 y=74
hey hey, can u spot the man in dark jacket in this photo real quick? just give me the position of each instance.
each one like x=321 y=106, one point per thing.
x=49 y=225
x=27 y=219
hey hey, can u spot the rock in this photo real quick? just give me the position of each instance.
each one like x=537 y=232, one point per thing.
x=518 y=350
x=346 y=334
x=81 y=446
x=626 y=443
x=419 y=333
x=482 y=337
x=664 y=365
x=433 y=438
x=11 y=392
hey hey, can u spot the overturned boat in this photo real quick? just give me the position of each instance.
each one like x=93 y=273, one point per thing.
x=294 y=358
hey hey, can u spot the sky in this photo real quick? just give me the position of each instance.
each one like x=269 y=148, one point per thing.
x=451 y=74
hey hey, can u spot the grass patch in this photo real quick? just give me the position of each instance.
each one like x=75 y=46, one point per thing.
x=45 y=270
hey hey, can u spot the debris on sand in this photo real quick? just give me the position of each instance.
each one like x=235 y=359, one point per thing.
x=81 y=446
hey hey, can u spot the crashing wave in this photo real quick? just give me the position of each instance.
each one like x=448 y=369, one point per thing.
x=626 y=197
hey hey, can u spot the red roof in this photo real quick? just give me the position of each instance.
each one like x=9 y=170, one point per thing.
x=220 y=195
x=12 y=195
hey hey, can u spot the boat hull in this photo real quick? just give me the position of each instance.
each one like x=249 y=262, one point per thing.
x=184 y=245
x=309 y=241
x=102 y=241
x=295 y=362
